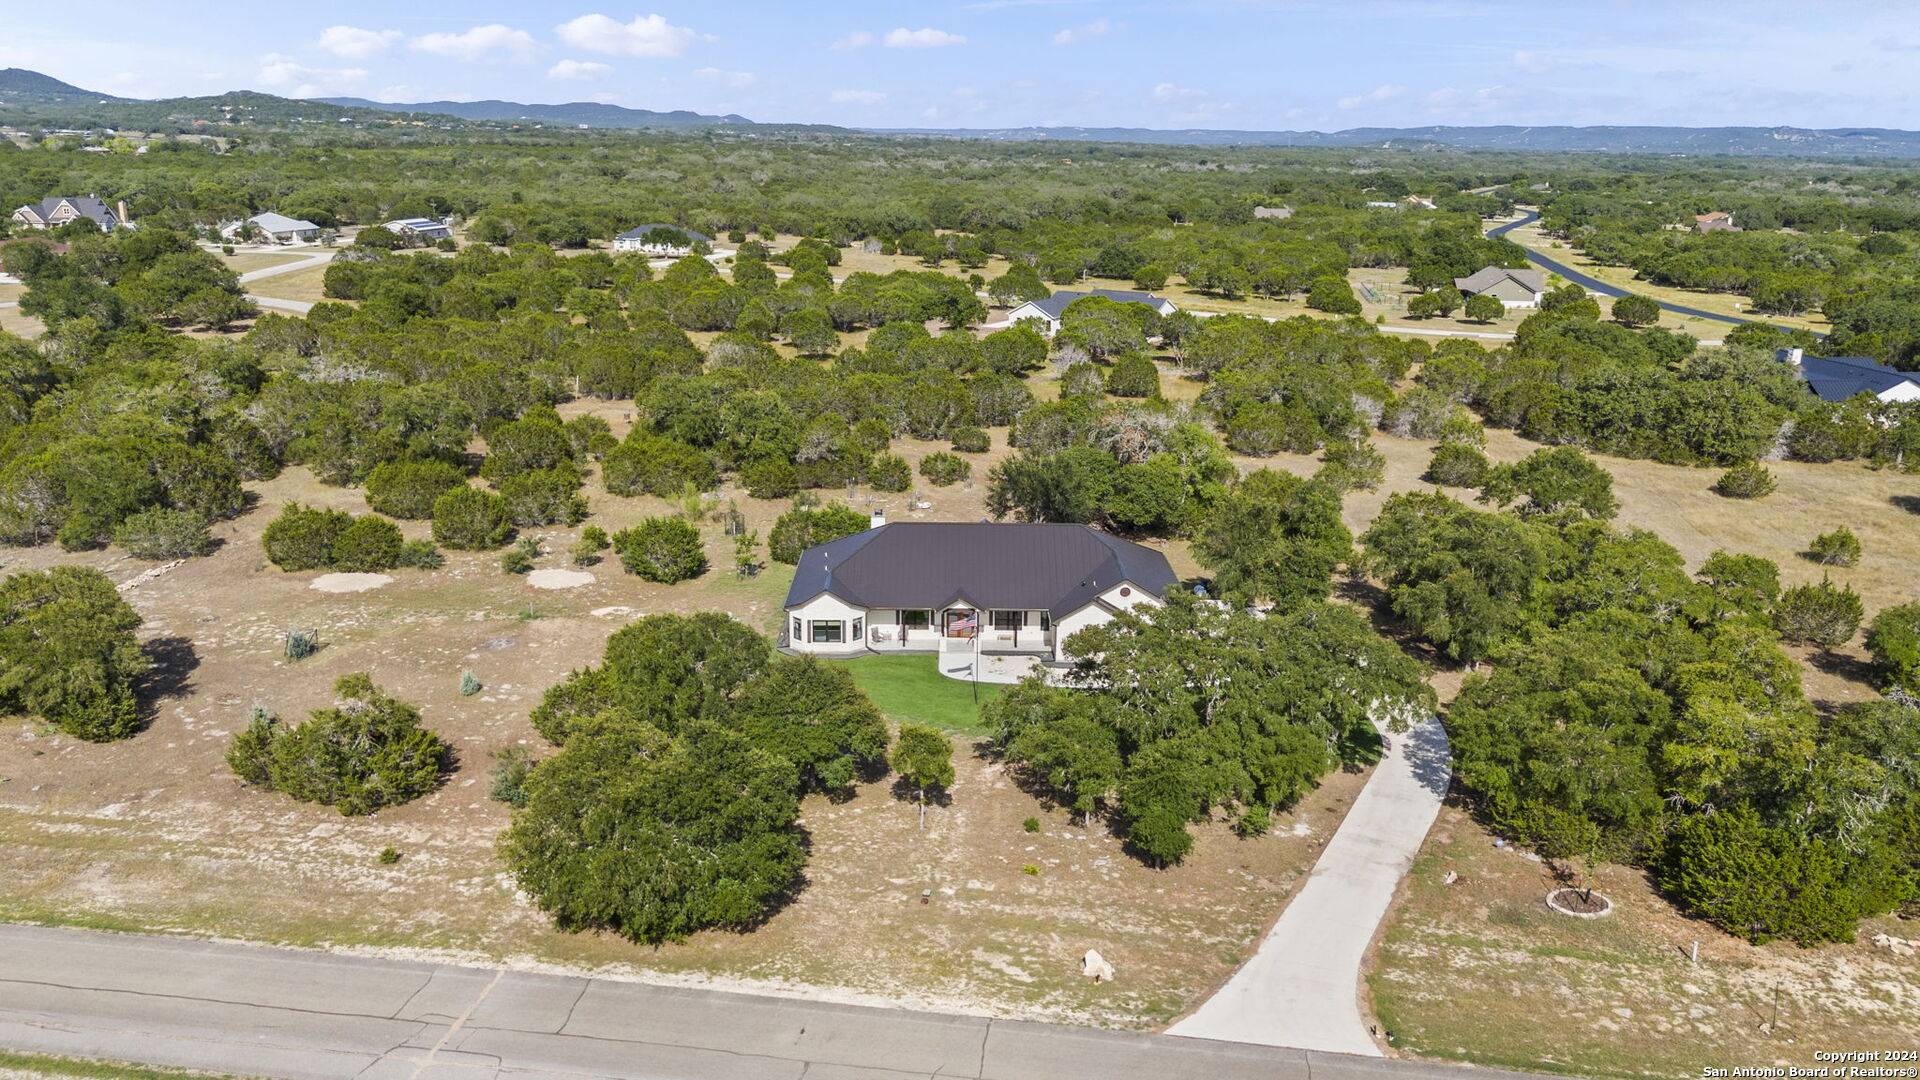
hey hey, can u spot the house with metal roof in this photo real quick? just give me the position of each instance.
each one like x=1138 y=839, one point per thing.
x=276 y=228
x=420 y=228
x=1838 y=378
x=658 y=239
x=986 y=587
x=1514 y=288
x=1049 y=310
x=54 y=212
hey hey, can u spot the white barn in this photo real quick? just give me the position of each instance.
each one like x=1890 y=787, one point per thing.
x=640 y=238
x=927 y=587
x=277 y=228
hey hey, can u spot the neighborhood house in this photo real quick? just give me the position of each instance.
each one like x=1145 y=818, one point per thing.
x=1514 y=288
x=657 y=239
x=420 y=228
x=1050 y=309
x=52 y=213
x=276 y=228
x=1717 y=221
x=1837 y=378
x=932 y=587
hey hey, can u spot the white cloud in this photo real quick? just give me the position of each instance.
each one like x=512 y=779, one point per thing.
x=478 y=43
x=355 y=43
x=1532 y=63
x=1166 y=91
x=859 y=39
x=298 y=80
x=738 y=80
x=925 y=38
x=857 y=97
x=577 y=70
x=1381 y=94
x=646 y=36
x=1097 y=28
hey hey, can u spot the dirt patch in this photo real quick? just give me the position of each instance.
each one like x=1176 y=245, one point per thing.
x=555 y=577
x=350 y=583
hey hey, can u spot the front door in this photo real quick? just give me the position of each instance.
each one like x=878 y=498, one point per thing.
x=962 y=622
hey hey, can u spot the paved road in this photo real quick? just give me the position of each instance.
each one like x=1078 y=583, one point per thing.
x=1302 y=987
x=1594 y=284
x=257 y=1011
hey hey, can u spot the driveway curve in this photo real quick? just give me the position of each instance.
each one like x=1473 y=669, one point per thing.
x=1302 y=986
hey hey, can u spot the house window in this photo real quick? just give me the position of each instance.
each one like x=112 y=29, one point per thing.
x=1006 y=620
x=828 y=633
x=796 y=628
x=859 y=627
x=1046 y=620
x=916 y=620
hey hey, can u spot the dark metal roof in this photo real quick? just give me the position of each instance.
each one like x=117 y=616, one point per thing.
x=639 y=231
x=1056 y=304
x=927 y=565
x=1837 y=378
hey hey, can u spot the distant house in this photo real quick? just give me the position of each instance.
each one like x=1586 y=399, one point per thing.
x=1278 y=213
x=1050 y=309
x=1383 y=205
x=1837 y=378
x=1717 y=221
x=277 y=228
x=1514 y=288
x=1421 y=202
x=52 y=213
x=658 y=239
x=420 y=228
x=974 y=586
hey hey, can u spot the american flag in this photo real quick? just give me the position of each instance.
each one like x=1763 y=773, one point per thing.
x=965 y=626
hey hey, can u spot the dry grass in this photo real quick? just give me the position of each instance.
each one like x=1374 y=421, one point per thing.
x=305 y=284
x=1481 y=970
x=244 y=261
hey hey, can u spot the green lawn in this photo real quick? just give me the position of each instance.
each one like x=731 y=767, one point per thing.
x=49 y=1065
x=910 y=689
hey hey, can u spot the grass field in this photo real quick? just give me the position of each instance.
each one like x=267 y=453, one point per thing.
x=244 y=261
x=911 y=690
x=305 y=284
x=19 y=1066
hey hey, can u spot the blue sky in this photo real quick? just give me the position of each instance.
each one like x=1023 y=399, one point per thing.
x=1250 y=64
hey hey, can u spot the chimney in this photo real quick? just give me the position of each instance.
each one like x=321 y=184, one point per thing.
x=120 y=210
x=879 y=518
x=1792 y=356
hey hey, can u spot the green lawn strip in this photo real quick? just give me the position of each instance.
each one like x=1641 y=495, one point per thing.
x=910 y=689
x=53 y=1065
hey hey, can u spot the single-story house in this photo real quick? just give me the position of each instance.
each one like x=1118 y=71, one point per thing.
x=1837 y=378
x=1717 y=221
x=975 y=586
x=277 y=228
x=1514 y=288
x=1278 y=213
x=51 y=213
x=420 y=227
x=1050 y=309
x=1383 y=204
x=641 y=238
x=1421 y=202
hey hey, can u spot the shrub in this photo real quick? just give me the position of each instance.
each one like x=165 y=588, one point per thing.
x=469 y=519
x=408 y=489
x=1747 y=480
x=68 y=653
x=301 y=644
x=771 y=478
x=661 y=549
x=944 y=469
x=1253 y=821
x=1762 y=883
x=516 y=561
x=389 y=855
x=652 y=465
x=1134 y=377
x=871 y=433
x=1353 y=466
x=971 y=440
x=420 y=555
x=1454 y=465
x=1031 y=825
x=1082 y=379
x=507 y=782
x=469 y=684
x=890 y=472
x=301 y=538
x=544 y=497
x=164 y=534
x=1818 y=614
x=1893 y=639
x=369 y=544
x=797 y=530
x=367 y=753
x=1837 y=548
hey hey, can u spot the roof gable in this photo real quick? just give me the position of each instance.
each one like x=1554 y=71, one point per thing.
x=1056 y=305
x=1489 y=276
x=1837 y=378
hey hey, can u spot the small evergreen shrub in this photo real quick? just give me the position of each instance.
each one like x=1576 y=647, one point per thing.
x=469 y=684
x=661 y=549
x=890 y=472
x=368 y=545
x=1134 y=377
x=971 y=440
x=771 y=478
x=164 y=534
x=301 y=644
x=516 y=561
x=507 y=782
x=420 y=555
x=408 y=489
x=943 y=469
x=301 y=538
x=1747 y=480
x=1454 y=465
x=364 y=754
x=1837 y=548
x=469 y=519
x=389 y=855
x=1031 y=825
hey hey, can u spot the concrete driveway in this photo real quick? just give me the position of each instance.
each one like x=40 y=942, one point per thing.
x=1302 y=987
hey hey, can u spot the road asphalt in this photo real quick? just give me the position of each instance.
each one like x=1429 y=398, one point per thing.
x=257 y=1011
x=1302 y=986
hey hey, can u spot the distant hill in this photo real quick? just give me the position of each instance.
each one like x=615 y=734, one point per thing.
x=571 y=114
x=18 y=86
x=1744 y=141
